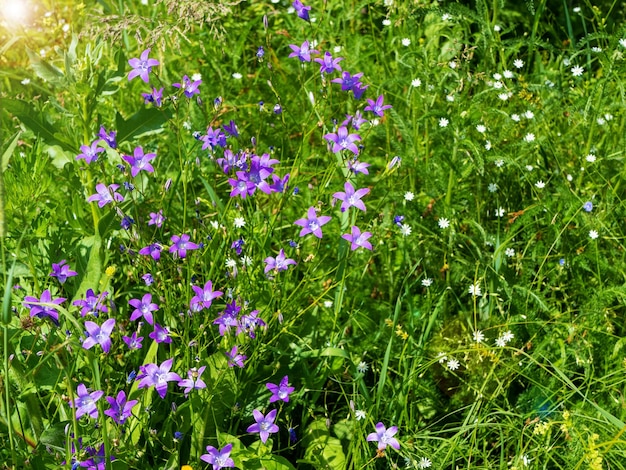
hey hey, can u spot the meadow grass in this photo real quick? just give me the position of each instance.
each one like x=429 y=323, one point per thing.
x=222 y=247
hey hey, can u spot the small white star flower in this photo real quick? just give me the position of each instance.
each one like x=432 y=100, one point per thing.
x=487 y=145
x=409 y=196
x=453 y=364
x=492 y=187
x=529 y=114
x=474 y=290
x=576 y=9
x=622 y=42
x=500 y=212
x=448 y=16
x=481 y=128
x=452 y=64
x=601 y=121
x=239 y=222
x=508 y=74
x=386 y=22
x=497 y=28
x=427 y=282
x=500 y=342
x=525 y=460
x=510 y=252
x=529 y=137
x=424 y=463
x=405 y=230
x=359 y=414
x=498 y=85
x=237 y=76
x=195 y=77
x=530 y=167
x=590 y=158
x=443 y=122
x=450 y=98
x=499 y=163
x=443 y=223
x=518 y=63
x=26 y=81
x=406 y=42
x=497 y=76
x=362 y=367
x=505 y=96
x=328 y=303
x=540 y=184
x=478 y=336
x=441 y=357
x=577 y=71
x=593 y=234
x=569 y=177
x=416 y=82
x=507 y=336
x=231 y=263
x=515 y=117
x=337 y=49
x=596 y=49
x=245 y=261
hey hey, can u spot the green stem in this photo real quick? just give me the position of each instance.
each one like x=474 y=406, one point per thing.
x=101 y=416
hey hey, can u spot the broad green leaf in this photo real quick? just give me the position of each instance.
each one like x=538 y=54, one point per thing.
x=214 y=198
x=273 y=462
x=45 y=70
x=54 y=436
x=93 y=271
x=145 y=121
x=59 y=157
x=322 y=448
x=7 y=150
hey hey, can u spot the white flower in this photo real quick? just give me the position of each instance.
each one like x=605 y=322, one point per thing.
x=529 y=137
x=405 y=230
x=448 y=16
x=566 y=62
x=608 y=116
x=337 y=49
x=187 y=125
x=481 y=128
x=529 y=114
x=26 y=81
x=499 y=163
x=406 y=42
x=195 y=77
x=525 y=460
x=593 y=234
x=500 y=342
x=453 y=364
x=231 y=263
x=450 y=98
x=569 y=177
x=474 y=290
x=530 y=167
x=622 y=42
x=492 y=187
x=505 y=96
x=386 y=22
x=215 y=224
x=497 y=28
x=441 y=357
x=42 y=53
x=507 y=336
x=239 y=222
x=443 y=122
x=328 y=303
x=487 y=145
x=359 y=414
x=424 y=463
x=507 y=74
x=518 y=63
x=427 y=282
x=549 y=83
x=576 y=9
x=540 y=184
x=510 y=252
x=452 y=64
x=478 y=336
x=601 y=121
x=515 y=117
x=497 y=76
x=443 y=223
x=577 y=71
x=409 y=196
x=362 y=367
x=237 y=76
x=498 y=85
x=416 y=82
x=500 y=212
x=245 y=261
x=590 y=158
x=596 y=49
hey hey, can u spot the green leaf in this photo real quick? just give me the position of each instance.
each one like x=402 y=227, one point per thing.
x=59 y=157
x=322 y=448
x=26 y=113
x=214 y=198
x=145 y=121
x=273 y=462
x=45 y=70
x=93 y=270
x=7 y=150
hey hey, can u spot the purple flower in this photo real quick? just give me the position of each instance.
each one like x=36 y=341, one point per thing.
x=43 y=311
x=62 y=271
x=242 y=186
x=384 y=437
x=281 y=391
x=328 y=64
x=358 y=239
x=587 y=206
x=351 y=198
x=92 y=303
x=157 y=376
x=109 y=137
x=160 y=334
x=231 y=128
x=219 y=458
x=156 y=218
x=279 y=184
x=226 y=320
x=143 y=308
x=105 y=194
x=348 y=81
x=278 y=264
x=155 y=97
x=342 y=140
x=90 y=153
x=355 y=121
x=235 y=359
x=193 y=381
x=190 y=88
x=357 y=167
x=132 y=341
x=181 y=245
x=139 y=161
x=148 y=279
x=303 y=52
x=99 y=334
x=358 y=89
x=249 y=323
x=204 y=297
x=154 y=250
x=312 y=223
x=213 y=138
x=142 y=66
x=85 y=402
x=120 y=409
x=301 y=10
x=377 y=106
x=264 y=424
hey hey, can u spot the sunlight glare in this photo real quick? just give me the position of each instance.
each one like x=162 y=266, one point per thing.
x=14 y=11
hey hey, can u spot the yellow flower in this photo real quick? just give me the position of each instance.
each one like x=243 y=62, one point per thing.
x=110 y=271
